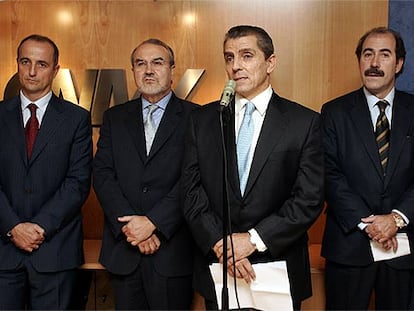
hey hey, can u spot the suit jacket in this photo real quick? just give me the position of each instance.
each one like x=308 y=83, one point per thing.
x=355 y=187
x=128 y=182
x=283 y=195
x=50 y=188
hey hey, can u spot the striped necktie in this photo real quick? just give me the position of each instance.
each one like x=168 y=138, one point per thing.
x=382 y=135
x=244 y=141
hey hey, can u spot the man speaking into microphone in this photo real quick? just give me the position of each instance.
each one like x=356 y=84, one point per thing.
x=274 y=172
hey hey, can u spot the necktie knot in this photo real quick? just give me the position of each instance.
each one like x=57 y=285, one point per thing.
x=250 y=108
x=32 y=107
x=152 y=108
x=382 y=104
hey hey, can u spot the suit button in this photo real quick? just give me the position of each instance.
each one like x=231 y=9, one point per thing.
x=145 y=190
x=28 y=190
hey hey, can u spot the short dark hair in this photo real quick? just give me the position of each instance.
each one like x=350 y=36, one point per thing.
x=40 y=38
x=264 y=41
x=399 y=43
x=155 y=42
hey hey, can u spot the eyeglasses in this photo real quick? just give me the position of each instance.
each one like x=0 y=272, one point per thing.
x=158 y=63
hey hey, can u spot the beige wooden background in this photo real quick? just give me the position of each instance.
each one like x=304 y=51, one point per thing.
x=315 y=42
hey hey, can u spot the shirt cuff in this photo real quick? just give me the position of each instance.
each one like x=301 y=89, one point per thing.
x=257 y=240
x=362 y=226
x=406 y=220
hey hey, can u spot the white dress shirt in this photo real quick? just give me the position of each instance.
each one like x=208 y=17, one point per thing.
x=41 y=107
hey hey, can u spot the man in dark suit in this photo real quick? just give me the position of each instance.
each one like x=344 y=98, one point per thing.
x=369 y=156
x=44 y=180
x=273 y=204
x=147 y=246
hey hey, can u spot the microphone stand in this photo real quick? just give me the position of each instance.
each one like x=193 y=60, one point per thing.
x=225 y=115
x=224 y=119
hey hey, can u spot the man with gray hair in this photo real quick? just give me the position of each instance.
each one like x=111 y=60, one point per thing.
x=146 y=245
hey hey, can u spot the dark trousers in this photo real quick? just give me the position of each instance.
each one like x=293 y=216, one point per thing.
x=145 y=289
x=350 y=288
x=26 y=288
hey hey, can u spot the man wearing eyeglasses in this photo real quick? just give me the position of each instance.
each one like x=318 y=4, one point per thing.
x=146 y=245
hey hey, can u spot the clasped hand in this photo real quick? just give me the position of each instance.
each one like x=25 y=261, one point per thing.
x=382 y=229
x=242 y=249
x=139 y=231
x=28 y=236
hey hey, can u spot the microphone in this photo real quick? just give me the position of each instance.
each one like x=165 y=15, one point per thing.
x=228 y=93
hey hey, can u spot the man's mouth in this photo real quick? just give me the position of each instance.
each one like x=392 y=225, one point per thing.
x=149 y=79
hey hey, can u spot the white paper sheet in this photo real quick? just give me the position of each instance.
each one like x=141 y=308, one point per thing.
x=403 y=249
x=270 y=290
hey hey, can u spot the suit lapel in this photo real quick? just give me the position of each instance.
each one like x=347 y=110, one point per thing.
x=50 y=124
x=170 y=120
x=273 y=129
x=135 y=126
x=361 y=119
x=398 y=134
x=233 y=173
x=14 y=121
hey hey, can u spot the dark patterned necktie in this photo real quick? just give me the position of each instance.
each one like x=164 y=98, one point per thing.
x=382 y=135
x=32 y=127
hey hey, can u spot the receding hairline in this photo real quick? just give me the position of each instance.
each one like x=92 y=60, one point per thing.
x=40 y=39
x=155 y=42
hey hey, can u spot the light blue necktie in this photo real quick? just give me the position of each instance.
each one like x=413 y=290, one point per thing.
x=150 y=127
x=244 y=141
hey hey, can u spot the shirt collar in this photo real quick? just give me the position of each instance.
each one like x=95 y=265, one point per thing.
x=373 y=100
x=261 y=101
x=41 y=103
x=162 y=103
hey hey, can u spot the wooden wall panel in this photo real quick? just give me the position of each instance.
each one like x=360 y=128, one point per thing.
x=314 y=39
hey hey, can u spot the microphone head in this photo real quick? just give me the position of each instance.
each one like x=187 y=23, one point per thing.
x=228 y=93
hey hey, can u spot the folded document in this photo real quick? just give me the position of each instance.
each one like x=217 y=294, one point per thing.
x=270 y=290
x=381 y=254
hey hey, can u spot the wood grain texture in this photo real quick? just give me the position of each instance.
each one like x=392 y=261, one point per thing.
x=314 y=41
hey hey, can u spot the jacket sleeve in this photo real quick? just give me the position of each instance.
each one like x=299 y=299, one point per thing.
x=204 y=223
x=67 y=200
x=289 y=223
x=105 y=181
x=343 y=202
